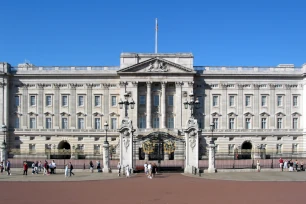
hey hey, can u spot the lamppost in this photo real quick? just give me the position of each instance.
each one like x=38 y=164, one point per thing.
x=3 y=146
x=192 y=104
x=211 y=162
x=106 y=151
x=64 y=151
x=126 y=103
x=73 y=152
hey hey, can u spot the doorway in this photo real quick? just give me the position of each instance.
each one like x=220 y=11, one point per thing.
x=246 y=150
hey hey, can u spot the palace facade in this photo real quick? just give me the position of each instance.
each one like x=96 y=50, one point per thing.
x=52 y=109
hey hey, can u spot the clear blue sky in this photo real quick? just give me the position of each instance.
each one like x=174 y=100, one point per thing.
x=217 y=32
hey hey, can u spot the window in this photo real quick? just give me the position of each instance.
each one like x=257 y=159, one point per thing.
x=215 y=100
x=16 y=122
x=295 y=123
x=142 y=100
x=156 y=100
x=294 y=148
x=64 y=123
x=81 y=124
x=114 y=123
x=231 y=123
x=248 y=123
x=279 y=100
x=17 y=138
x=170 y=122
x=65 y=100
x=97 y=101
x=230 y=149
x=114 y=100
x=48 y=123
x=155 y=122
x=264 y=123
x=170 y=100
x=81 y=100
x=142 y=122
x=295 y=101
x=32 y=123
x=17 y=100
x=263 y=100
x=248 y=101
x=48 y=100
x=216 y=123
x=80 y=138
x=278 y=148
x=97 y=123
x=279 y=123
x=32 y=147
x=32 y=100
x=231 y=101
x=48 y=138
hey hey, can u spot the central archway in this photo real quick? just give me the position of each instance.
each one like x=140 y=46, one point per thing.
x=246 y=150
x=64 y=150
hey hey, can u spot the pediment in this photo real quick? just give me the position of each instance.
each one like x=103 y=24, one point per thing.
x=156 y=65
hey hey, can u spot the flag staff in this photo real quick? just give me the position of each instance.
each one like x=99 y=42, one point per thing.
x=156 y=28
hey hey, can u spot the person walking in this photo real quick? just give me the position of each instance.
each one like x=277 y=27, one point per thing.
x=127 y=171
x=66 y=170
x=1 y=167
x=8 y=168
x=54 y=166
x=25 y=168
x=98 y=166
x=146 y=168
x=302 y=166
x=91 y=166
x=150 y=171
x=39 y=165
x=258 y=166
x=281 y=164
x=71 y=168
x=119 y=168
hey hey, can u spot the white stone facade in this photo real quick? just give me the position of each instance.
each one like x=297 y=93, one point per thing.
x=44 y=106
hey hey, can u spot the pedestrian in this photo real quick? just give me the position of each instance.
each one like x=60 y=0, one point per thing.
x=258 y=166
x=8 y=168
x=71 y=168
x=1 y=167
x=54 y=166
x=91 y=166
x=119 y=168
x=25 y=168
x=45 y=168
x=302 y=166
x=146 y=168
x=149 y=171
x=127 y=171
x=281 y=164
x=290 y=165
x=39 y=165
x=66 y=170
x=98 y=166
x=286 y=165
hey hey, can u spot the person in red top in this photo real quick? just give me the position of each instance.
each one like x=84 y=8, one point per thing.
x=281 y=164
x=25 y=168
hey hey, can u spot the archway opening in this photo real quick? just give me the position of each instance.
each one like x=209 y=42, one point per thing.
x=64 y=145
x=63 y=150
x=246 y=150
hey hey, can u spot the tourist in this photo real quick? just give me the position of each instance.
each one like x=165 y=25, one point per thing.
x=54 y=166
x=290 y=165
x=39 y=165
x=8 y=168
x=119 y=168
x=302 y=166
x=127 y=171
x=150 y=171
x=98 y=166
x=25 y=168
x=258 y=166
x=281 y=164
x=51 y=168
x=71 y=168
x=91 y=166
x=146 y=168
x=1 y=167
x=154 y=169
x=66 y=170
x=286 y=165
x=45 y=168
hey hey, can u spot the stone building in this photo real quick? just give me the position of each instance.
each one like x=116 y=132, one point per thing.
x=50 y=110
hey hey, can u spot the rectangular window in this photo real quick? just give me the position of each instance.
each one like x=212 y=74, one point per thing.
x=248 y=101
x=278 y=148
x=32 y=100
x=156 y=100
x=142 y=100
x=97 y=123
x=97 y=101
x=142 y=122
x=232 y=101
x=279 y=123
x=16 y=122
x=295 y=101
x=264 y=123
x=230 y=149
x=279 y=100
x=17 y=100
x=64 y=123
x=32 y=123
x=263 y=100
x=216 y=123
x=248 y=123
x=170 y=100
x=155 y=122
x=231 y=123
x=81 y=100
x=170 y=122
x=81 y=124
x=294 y=148
x=295 y=123
x=48 y=123
x=65 y=100
x=114 y=100
x=48 y=100
x=215 y=100
x=114 y=123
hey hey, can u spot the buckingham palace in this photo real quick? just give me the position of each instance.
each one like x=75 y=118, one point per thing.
x=51 y=109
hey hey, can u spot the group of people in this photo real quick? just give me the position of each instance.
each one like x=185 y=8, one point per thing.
x=127 y=170
x=291 y=165
x=150 y=170
x=91 y=166
x=7 y=167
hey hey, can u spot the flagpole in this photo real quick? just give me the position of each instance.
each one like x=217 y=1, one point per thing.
x=156 y=28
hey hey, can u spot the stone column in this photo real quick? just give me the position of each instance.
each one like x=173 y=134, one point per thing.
x=25 y=103
x=73 y=104
x=40 y=105
x=106 y=157
x=211 y=158
x=89 y=106
x=56 y=105
x=149 y=111
x=178 y=104
x=163 y=105
x=106 y=106
x=240 y=100
x=271 y=104
x=256 y=104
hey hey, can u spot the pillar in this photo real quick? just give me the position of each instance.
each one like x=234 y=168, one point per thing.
x=163 y=105
x=56 y=104
x=40 y=105
x=146 y=157
x=149 y=117
x=166 y=156
x=106 y=157
x=178 y=104
x=89 y=106
x=211 y=158
x=73 y=104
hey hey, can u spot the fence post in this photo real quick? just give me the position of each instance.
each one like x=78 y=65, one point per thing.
x=272 y=160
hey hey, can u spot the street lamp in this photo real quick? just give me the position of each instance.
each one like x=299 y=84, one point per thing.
x=212 y=128
x=3 y=146
x=126 y=103
x=106 y=151
x=192 y=104
x=106 y=128
x=211 y=159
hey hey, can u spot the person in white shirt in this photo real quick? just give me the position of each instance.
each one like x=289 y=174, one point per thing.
x=54 y=166
x=145 y=168
x=127 y=171
x=119 y=168
x=150 y=171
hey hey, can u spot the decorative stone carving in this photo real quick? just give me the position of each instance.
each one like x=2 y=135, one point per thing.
x=89 y=85
x=256 y=86
x=192 y=139
x=280 y=114
x=81 y=114
x=123 y=84
x=248 y=114
x=149 y=83
x=264 y=114
x=73 y=86
x=32 y=114
x=126 y=139
x=64 y=114
x=48 y=114
x=2 y=84
x=232 y=114
x=135 y=83
x=214 y=114
x=158 y=66
x=190 y=83
x=114 y=114
x=169 y=147
x=148 y=147
x=179 y=84
x=240 y=86
x=296 y=114
x=16 y=113
x=272 y=86
x=97 y=114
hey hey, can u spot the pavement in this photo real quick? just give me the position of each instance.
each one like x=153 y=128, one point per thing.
x=253 y=176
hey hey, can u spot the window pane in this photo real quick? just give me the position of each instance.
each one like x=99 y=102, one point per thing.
x=64 y=100
x=215 y=121
x=156 y=100
x=215 y=100
x=263 y=123
x=142 y=122
x=247 y=100
x=142 y=100
x=17 y=101
x=32 y=101
x=64 y=123
x=81 y=100
x=48 y=123
x=81 y=123
x=155 y=122
x=170 y=122
x=97 y=123
x=170 y=100
x=97 y=101
x=232 y=101
x=295 y=123
x=48 y=100
x=295 y=101
x=279 y=100
x=263 y=100
x=114 y=100
x=32 y=123
x=114 y=123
